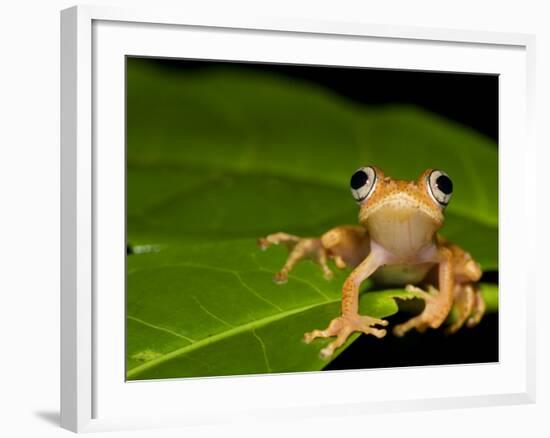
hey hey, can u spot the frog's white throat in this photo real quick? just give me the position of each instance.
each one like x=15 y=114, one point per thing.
x=402 y=230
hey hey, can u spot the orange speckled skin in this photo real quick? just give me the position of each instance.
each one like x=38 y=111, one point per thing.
x=387 y=188
x=396 y=243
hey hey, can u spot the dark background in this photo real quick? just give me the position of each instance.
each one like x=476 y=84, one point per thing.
x=469 y=99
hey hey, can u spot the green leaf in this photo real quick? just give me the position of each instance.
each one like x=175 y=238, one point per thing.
x=219 y=157
x=233 y=154
x=213 y=309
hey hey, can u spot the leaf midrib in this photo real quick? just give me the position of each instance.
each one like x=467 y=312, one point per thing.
x=252 y=325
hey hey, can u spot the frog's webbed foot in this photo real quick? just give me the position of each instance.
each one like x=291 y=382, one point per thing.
x=468 y=303
x=342 y=327
x=469 y=307
x=433 y=315
x=299 y=249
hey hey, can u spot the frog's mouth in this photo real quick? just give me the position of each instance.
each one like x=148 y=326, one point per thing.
x=403 y=205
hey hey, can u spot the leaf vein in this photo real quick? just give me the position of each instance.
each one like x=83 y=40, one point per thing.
x=216 y=268
x=222 y=335
x=157 y=327
x=264 y=351
x=209 y=313
x=315 y=288
x=247 y=287
x=301 y=280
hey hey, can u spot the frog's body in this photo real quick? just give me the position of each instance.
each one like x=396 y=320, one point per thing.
x=395 y=244
x=401 y=275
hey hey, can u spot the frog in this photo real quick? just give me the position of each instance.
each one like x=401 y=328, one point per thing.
x=396 y=243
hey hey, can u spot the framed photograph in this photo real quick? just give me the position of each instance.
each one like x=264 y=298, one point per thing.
x=259 y=215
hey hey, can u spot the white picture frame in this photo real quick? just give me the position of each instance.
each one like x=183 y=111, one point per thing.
x=94 y=395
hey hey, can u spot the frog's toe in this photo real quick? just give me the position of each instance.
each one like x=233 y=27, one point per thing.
x=418 y=322
x=344 y=326
x=469 y=308
x=454 y=327
x=280 y=277
x=421 y=293
x=340 y=262
x=478 y=311
x=474 y=320
x=262 y=243
x=341 y=337
x=333 y=328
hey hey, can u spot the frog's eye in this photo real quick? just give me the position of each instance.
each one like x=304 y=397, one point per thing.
x=362 y=183
x=440 y=187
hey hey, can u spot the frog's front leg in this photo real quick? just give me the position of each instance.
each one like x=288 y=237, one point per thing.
x=300 y=248
x=346 y=244
x=350 y=321
x=438 y=301
x=458 y=276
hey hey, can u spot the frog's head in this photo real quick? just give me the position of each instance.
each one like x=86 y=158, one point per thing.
x=400 y=215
